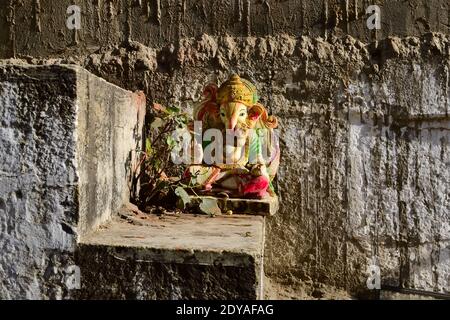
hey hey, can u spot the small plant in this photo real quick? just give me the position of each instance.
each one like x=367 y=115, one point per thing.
x=155 y=180
x=154 y=176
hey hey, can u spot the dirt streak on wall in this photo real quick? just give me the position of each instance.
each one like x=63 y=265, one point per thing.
x=38 y=27
x=365 y=129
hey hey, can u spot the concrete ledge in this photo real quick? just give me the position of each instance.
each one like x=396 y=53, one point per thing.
x=173 y=257
x=260 y=207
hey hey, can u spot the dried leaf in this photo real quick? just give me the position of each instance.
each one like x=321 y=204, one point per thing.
x=158 y=107
x=157 y=123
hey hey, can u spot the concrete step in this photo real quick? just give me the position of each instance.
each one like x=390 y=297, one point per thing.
x=140 y=256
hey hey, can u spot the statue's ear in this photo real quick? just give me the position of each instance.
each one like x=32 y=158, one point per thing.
x=255 y=112
x=210 y=108
x=210 y=92
x=258 y=112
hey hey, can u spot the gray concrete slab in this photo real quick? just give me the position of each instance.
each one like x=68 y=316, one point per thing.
x=185 y=256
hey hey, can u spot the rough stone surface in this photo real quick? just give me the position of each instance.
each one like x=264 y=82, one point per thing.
x=364 y=136
x=38 y=27
x=109 y=132
x=365 y=170
x=49 y=164
x=173 y=257
x=38 y=181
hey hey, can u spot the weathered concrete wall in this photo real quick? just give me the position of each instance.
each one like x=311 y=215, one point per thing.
x=38 y=27
x=365 y=139
x=38 y=181
x=50 y=167
x=109 y=131
x=399 y=177
x=364 y=128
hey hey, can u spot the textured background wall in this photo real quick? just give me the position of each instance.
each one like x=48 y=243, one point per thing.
x=365 y=137
x=364 y=127
x=362 y=138
x=38 y=27
x=399 y=175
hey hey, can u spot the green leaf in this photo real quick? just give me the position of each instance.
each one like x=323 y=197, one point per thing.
x=181 y=120
x=210 y=207
x=170 y=142
x=173 y=110
x=148 y=146
x=184 y=196
x=157 y=164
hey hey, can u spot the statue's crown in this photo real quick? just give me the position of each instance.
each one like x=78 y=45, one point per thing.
x=236 y=89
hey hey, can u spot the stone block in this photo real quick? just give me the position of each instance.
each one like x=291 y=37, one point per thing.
x=183 y=256
x=66 y=142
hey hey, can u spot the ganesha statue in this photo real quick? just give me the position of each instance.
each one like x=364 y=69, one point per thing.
x=239 y=151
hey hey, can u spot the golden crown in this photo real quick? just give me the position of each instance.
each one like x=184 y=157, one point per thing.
x=236 y=89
